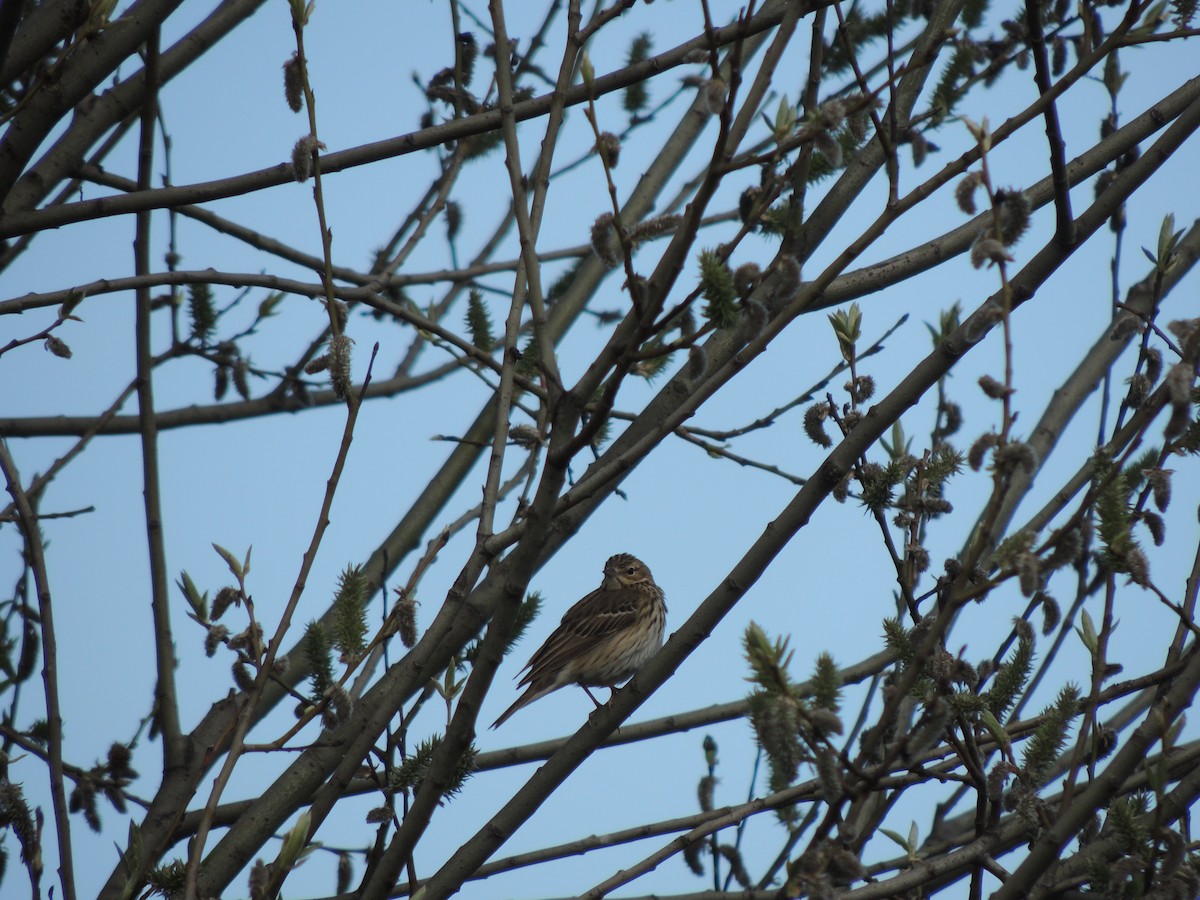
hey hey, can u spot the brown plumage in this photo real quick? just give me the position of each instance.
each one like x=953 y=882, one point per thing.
x=603 y=639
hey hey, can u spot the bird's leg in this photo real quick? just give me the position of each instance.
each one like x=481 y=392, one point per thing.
x=612 y=693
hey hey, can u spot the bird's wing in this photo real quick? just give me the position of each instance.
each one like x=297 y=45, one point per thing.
x=596 y=617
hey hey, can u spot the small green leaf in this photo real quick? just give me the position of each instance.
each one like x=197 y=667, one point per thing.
x=232 y=561
x=197 y=601
x=1088 y=633
x=266 y=308
x=996 y=730
x=785 y=119
x=895 y=836
x=586 y=72
x=847 y=326
x=294 y=840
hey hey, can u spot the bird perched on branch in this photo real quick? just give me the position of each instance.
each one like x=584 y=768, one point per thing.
x=603 y=639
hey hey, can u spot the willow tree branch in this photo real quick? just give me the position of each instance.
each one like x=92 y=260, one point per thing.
x=36 y=554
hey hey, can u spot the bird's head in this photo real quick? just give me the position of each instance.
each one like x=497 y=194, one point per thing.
x=624 y=570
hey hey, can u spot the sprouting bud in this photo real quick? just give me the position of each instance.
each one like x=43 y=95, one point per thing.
x=339 y=365
x=226 y=598
x=609 y=148
x=714 y=92
x=716 y=285
x=241 y=382
x=979 y=450
x=832 y=113
x=952 y=419
x=318 y=365
x=83 y=799
x=704 y=792
x=406 y=621
x=814 y=424
x=468 y=50
x=919 y=556
x=215 y=638
x=249 y=640
x=602 y=230
x=1154 y=362
x=829 y=147
x=964 y=193
x=737 y=868
x=994 y=389
x=1138 y=567
x=653 y=227
x=841 y=490
x=745 y=279
x=378 y=814
x=988 y=250
x=586 y=70
x=1058 y=56
x=747 y=202
x=1139 y=390
x=302 y=157
x=1016 y=454
x=861 y=389
x=844 y=865
x=1029 y=573
x=996 y=780
x=856 y=125
x=1160 y=487
x=453 y=219
x=931 y=728
x=339 y=702
x=341 y=312
x=242 y=677
x=687 y=322
x=825 y=722
x=1015 y=210
x=15 y=813
x=782 y=281
x=1179 y=383
x=1105 y=742
x=1187 y=331
x=1051 y=614
x=1155 y=525
x=58 y=347
x=963 y=672
x=293 y=84
x=829 y=776
x=526 y=436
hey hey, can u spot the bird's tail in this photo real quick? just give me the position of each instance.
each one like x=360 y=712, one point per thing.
x=531 y=693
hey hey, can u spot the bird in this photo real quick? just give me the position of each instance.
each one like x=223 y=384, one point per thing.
x=603 y=639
